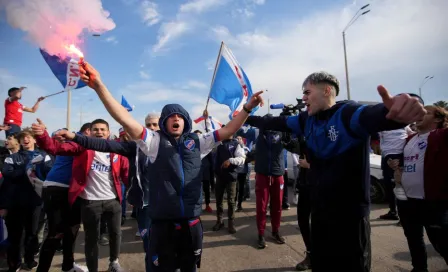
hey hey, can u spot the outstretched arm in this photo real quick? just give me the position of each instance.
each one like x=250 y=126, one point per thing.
x=35 y=107
x=52 y=146
x=238 y=121
x=127 y=149
x=209 y=140
x=92 y=78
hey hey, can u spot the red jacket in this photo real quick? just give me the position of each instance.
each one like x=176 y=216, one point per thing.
x=435 y=173
x=82 y=162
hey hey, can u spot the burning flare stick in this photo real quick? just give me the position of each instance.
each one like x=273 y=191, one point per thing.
x=72 y=49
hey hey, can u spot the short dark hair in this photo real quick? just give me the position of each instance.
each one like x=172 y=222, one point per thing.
x=322 y=78
x=13 y=89
x=25 y=132
x=99 y=121
x=85 y=127
x=13 y=135
x=197 y=131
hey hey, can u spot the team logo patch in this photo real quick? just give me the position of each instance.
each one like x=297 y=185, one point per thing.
x=115 y=158
x=197 y=252
x=281 y=186
x=333 y=134
x=189 y=144
x=422 y=145
x=155 y=260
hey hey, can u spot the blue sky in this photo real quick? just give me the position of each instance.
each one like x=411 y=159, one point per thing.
x=164 y=51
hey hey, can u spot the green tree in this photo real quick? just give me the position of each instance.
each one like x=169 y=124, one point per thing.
x=443 y=104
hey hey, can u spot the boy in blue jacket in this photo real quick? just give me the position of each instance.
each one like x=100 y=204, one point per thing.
x=25 y=172
x=63 y=221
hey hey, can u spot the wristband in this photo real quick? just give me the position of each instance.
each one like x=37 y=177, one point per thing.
x=246 y=110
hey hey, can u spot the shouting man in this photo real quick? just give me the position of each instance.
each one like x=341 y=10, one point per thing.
x=175 y=186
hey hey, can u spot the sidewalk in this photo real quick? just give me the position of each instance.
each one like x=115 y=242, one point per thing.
x=238 y=252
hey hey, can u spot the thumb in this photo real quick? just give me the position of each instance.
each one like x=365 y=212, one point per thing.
x=39 y=121
x=385 y=95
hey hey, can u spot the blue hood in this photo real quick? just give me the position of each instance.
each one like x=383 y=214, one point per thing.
x=171 y=109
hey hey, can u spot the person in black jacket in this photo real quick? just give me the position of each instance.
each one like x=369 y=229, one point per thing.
x=304 y=205
x=337 y=138
x=269 y=183
x=207 y=176
x=25 y=172
x=229 y=155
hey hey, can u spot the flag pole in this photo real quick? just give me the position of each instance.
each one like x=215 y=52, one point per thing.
x=214 y=74
x=55 y=93
x=211 y=84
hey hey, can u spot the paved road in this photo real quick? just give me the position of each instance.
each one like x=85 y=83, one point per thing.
x=238 y=252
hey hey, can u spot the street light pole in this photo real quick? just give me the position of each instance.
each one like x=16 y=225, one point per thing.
x=69 y=99
x=424 y=81
x=346 y=66
x=352 y=21
x=80 y=113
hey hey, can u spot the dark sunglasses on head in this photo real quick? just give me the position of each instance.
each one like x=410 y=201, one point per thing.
x=152 y=124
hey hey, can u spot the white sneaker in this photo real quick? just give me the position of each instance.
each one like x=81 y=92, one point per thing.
x=399 y=192
x=137 y=234
x=77 y=268
x=296 y=199
x=115 y=267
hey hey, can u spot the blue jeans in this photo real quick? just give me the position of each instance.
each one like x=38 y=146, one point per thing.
x=14 y=129
x=144 y=226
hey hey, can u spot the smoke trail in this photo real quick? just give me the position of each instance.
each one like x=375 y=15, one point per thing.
x=52 y=24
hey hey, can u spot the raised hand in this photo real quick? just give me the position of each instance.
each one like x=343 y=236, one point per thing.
x=89 y=75
x=39 y=127
x=255 y=100
x=5 y=127
x=402 y=108
x=40 y=99
x=64 y=135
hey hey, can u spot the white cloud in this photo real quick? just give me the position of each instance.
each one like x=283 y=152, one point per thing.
x=396 y=44
x=149 y=13
x=157 y=93
x=169 y=32
x=210 y=64
x=258 y=2
x=144 y=75
x=185 y=21
x=243 y=11
x=112 y=39
x=246 y=8
x=199 y=6
x=194 y=84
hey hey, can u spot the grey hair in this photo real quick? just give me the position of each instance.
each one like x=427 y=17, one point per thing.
x=152 y=115
x=322 y=78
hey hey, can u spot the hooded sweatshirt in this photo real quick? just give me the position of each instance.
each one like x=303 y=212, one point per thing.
x=175 y=182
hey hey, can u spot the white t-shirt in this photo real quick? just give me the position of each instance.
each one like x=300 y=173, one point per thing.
x=99 y=183
x=413 y=170
x=393 y=141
